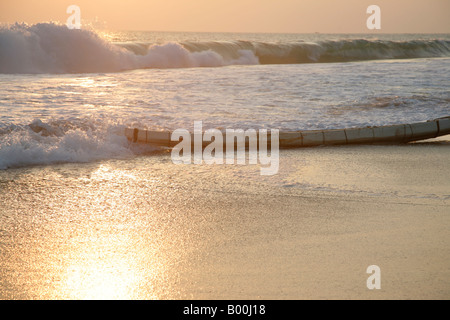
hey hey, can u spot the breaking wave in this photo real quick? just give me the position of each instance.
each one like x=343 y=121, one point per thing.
x=64 y=141
x=53 y=48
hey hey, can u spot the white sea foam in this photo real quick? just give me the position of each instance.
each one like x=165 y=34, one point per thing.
x=49 y=143
x=51 y=48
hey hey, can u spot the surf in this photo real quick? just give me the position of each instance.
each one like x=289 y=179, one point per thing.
x=55 y=49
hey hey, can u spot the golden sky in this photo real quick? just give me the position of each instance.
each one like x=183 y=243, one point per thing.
x=290 y=16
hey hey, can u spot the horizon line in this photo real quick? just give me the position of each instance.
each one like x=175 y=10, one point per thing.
x=373 y=32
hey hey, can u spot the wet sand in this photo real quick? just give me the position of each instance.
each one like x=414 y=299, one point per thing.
x=144 y=228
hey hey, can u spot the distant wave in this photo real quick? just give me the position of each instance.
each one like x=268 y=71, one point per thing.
x=52 y=48
x=326 y=51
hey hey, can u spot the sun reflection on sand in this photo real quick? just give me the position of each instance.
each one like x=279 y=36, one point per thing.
x=98 y=280
x=103 y=239
x=107 y=260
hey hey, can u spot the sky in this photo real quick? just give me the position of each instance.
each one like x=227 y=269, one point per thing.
x=274 y=16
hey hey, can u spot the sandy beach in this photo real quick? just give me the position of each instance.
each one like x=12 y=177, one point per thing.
x=144 y=228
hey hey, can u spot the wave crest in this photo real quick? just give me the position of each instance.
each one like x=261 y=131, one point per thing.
x=52 y=48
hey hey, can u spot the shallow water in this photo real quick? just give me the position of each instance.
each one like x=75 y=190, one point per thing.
x=82 y=117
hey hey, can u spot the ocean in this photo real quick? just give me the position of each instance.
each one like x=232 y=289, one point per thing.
x=86 y=214
x=67 y=95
